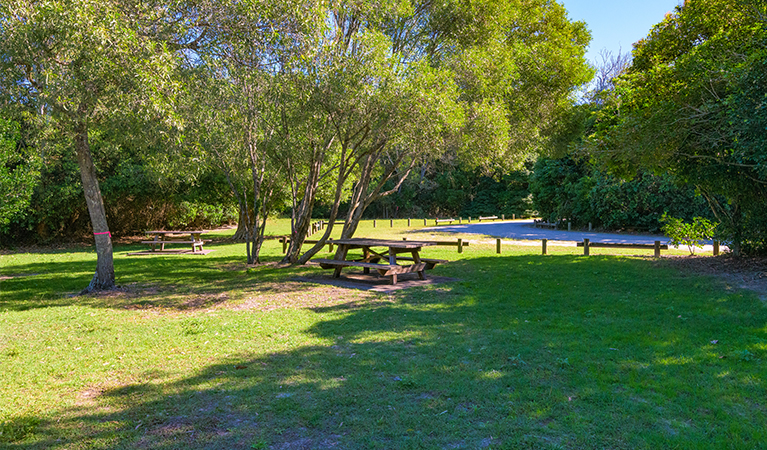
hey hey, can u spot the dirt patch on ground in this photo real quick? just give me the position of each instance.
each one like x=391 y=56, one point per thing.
x=743 y=272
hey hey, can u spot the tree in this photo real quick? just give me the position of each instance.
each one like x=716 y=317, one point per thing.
x=514 y=66
x=19 y=172
x=690 y=105
x=73 y=63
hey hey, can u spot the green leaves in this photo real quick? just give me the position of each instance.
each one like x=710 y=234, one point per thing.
x=19 y=173
x=689 y=106
x=694 y=234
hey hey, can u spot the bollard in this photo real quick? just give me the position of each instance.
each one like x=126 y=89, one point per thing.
x=460 y=245
x=284 y=244
x=503 y=217
x=330 y=247
x=716 y=248
x=469 y=219
x=408 y=221
x=498 y=246
x=569 y=226
x=459 y=220
x=589 y=226
x=391 y=223
x=513 y=217
x=585 y=247
x=657 y=249
x=374 y=223
x=544 y=250
x=424 y=221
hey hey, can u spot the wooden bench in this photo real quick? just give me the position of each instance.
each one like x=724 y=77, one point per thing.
x=481 y=218
x=544 y=224
x=438 y=221
x=430 y=263
x=386 y=270
x=657 y=246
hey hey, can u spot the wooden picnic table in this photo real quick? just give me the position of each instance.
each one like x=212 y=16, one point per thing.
x=370 y=257
x=162 y=237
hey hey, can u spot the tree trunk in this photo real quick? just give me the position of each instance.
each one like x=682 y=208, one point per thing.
x=363 y=196
x=104 y=278
x=303 y=214
x=241 y=234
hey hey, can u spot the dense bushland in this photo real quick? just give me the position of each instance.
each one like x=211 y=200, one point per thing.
x=576 y=191
x=136 y=199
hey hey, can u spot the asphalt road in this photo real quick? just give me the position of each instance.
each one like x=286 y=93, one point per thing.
x=524 y=230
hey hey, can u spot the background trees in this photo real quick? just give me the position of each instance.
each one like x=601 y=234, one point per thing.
x=72 y=64
x=690 y=104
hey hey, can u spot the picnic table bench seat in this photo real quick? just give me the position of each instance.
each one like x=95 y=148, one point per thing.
x=430 y=262
x=438 y=221
x=383 y=269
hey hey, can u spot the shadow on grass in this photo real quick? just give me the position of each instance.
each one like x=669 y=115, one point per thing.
x=169 y=281
x=527 y=352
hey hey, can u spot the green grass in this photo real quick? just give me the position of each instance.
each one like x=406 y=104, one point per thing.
x=522 y=351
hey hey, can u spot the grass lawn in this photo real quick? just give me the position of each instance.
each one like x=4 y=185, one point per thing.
x=611 y=351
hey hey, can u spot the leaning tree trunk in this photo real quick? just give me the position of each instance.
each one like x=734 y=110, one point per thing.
x=303 y=216
x=104 y=278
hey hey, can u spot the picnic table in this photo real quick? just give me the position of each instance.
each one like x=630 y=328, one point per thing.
x=161 y=238
x=370 y=257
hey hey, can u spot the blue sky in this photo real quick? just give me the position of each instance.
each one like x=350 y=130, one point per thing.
x=617 y=24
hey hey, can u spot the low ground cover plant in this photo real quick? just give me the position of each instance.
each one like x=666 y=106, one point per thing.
x=518 y=351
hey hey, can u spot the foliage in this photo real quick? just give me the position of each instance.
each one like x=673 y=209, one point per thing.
x=692 y=105
x=19 y=173
x=694 y=234
x=445 y=190
x=575 y=190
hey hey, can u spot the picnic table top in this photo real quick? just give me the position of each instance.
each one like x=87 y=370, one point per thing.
x=368 y=242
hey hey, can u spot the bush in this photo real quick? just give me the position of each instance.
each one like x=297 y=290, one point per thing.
x=694 y=234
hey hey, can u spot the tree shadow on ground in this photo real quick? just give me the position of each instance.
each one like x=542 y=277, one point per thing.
x=564 y=352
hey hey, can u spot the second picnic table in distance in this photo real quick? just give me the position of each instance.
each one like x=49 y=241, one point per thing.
x=162 y=238
x=370 y=258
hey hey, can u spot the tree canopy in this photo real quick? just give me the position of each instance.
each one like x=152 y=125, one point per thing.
x=692 y=104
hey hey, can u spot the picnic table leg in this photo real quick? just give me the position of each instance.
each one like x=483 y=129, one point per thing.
x=366 y=258
x=393 y=262
x=417 y=260
x=342 y=250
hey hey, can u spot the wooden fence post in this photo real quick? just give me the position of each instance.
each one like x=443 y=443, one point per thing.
x=391 y=223
x=460 y=245
x=498 y=246
x=408 y=221
x=513 y=217
x=503 y=217
x=424 y=221
x=544 y=250
x=585 y=247
x=589 y=226
x=374 y=223
x=657 y=249
x=569 y=225
x=284 y=244
x=469 y=219
x=459 y=220
x=716 y=248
